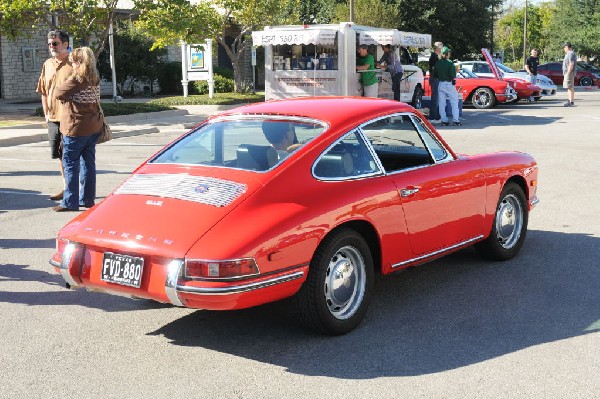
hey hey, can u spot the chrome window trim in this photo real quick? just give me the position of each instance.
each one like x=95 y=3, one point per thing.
x=235 y=289
x=439 y=251
x=448 y=158
x=345 y=178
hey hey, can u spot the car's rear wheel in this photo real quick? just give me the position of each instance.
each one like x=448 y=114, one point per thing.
x=335 y=296
x=586 y=81
x=483 y=98
x=417 y=100
x=509 y=227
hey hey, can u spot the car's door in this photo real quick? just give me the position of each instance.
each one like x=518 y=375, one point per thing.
x=443 y=198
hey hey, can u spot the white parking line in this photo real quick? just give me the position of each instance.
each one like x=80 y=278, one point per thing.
x=500 y=117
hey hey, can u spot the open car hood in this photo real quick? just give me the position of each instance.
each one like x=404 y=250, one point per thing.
x=491 y=63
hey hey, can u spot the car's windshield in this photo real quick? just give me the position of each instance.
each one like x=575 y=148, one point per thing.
x=251 y=143
x=465 y=73
x=504 y=68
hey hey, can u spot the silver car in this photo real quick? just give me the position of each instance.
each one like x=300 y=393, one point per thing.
x=482 y=68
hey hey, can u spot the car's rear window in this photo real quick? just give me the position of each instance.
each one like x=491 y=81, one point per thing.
x=248 y=143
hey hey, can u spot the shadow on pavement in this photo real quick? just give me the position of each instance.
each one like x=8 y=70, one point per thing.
x=452 y=313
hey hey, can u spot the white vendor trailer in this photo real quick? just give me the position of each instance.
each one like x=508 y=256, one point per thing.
x=320 y=60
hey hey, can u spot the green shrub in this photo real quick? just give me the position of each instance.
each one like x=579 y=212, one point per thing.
x=169 y=78
x=225 y=72
x=221 y=85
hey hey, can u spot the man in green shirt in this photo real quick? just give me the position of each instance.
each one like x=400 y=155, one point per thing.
x=366 y=62
x=445 y=72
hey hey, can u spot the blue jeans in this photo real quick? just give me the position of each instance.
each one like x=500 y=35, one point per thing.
x=75 y=149
x=434 y=112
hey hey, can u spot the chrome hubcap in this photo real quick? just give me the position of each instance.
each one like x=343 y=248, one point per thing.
x=345 y=281
x=482 y=97
x=509 y=221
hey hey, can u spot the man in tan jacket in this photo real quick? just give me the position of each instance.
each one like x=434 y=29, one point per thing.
x=54 y=72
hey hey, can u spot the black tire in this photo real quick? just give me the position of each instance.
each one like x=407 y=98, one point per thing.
x=337 y=291
x=417 y=100
x=586 y=81
x=509 y=227
x=483 y=98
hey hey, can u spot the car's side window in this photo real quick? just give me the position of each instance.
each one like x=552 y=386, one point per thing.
x=397 y=143
x=349 y=157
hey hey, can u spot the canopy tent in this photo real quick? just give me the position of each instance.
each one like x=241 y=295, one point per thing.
x=296 y=36
x=394 y=37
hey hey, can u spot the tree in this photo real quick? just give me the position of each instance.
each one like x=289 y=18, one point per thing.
x=465 y=26
x=317 y=11
x=214 y=19
x=134 y=61
x=387 y=15
x=578 y=22
x=87 y=21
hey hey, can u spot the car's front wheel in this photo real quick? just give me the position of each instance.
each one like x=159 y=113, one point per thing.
x=335 y=296
x=586 y=81
x=483 y=98
x=509 y=227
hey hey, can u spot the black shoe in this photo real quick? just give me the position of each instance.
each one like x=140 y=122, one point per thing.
x=446 y=123
x=457 y=124
x=569 y=104
x=86 y=206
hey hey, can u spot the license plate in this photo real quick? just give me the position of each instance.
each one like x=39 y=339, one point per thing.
x=122 y=269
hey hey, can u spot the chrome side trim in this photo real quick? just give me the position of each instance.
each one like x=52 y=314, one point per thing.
x=173 y=273
x=460 y=244
x=54 y=263
x=234 y=289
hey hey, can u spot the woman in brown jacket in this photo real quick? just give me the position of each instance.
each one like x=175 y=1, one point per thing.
x=80 y=125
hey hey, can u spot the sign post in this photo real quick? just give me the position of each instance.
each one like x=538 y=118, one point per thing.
x=196 y=64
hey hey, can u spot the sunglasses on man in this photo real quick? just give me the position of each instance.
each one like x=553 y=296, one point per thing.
x=53 y=44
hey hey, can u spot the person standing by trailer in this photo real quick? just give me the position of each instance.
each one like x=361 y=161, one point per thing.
x=434 y=113
x=391 y=62
x=446 y=73
x=366 y=62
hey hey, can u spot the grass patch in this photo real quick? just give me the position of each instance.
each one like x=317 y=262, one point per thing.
x=9 y=123
x=218 y=99
x=112 y=109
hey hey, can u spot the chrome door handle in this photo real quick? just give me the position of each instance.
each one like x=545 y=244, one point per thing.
x=405 y=192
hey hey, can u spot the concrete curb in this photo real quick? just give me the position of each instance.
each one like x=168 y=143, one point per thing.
x=39 y=137
x=146 y=116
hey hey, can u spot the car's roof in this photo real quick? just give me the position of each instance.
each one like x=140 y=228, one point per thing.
x=332 y=110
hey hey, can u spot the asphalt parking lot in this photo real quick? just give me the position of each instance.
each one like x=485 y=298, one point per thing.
x=459 y=327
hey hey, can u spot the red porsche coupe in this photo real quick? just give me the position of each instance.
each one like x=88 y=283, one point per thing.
x=305 y=198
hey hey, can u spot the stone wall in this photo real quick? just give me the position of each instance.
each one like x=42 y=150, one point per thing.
x=21 y=63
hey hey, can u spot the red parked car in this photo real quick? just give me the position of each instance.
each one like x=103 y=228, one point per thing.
x=221 y=219
x=483 y=93
x=582 y=78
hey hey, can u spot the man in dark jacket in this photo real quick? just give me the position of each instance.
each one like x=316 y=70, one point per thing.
x=434 y=113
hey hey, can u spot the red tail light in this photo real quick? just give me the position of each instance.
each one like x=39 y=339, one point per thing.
x=226 y=269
